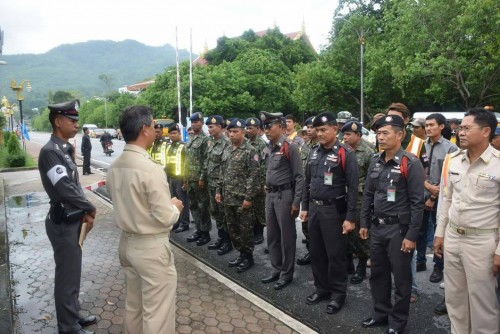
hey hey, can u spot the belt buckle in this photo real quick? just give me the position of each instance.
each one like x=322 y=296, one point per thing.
x=460 y=230
x=319 y=202
x=381 y=221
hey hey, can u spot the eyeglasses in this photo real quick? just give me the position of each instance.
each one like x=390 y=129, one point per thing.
x=466 y=129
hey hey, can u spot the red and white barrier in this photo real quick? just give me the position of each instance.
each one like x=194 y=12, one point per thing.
x=96 y=185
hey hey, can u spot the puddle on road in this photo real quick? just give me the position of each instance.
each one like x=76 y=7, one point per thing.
x=24 y=211
x=26 y=200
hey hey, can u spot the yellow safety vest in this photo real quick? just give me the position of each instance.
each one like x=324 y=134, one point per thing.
x=415 y=145
x=159 y=157
x=177 y=159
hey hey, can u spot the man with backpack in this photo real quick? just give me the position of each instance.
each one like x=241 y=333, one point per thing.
x=329 y=205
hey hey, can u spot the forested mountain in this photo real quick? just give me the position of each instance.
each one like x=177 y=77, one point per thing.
x=76 y=68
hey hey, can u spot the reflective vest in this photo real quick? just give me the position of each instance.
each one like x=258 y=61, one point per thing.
x=175 y=159
x=158 y=155
x=415 y=145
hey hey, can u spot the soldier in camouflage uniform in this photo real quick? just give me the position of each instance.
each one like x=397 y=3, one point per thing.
x=240 y=183
x=304 y=153
x=253 y=127
x=353 y=137
x=196 y=181
x=216 y=146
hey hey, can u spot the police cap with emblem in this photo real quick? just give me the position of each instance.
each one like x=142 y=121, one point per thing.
x=215 y=119
x=197 y=116
x=269 y=119
x=393 y=120
x=68 y=109
x=352 y=126
x=236 y=123
x=325 y=118
x=252 y=121
x=310 y=120
x=174 y=127
x=158 y=126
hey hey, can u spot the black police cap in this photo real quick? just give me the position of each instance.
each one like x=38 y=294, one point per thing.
x=236 y=123
x=352 y=126
x=253 y=121
x=197 y=116
x=393 y=120
x=215 y=119
x=310 y=120
x=325 y=118
x=68 y=109
x=174 y=127
x=268 y=118
x=158 y=126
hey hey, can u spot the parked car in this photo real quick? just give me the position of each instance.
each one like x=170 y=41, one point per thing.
x=112 y=132
x=96 y=133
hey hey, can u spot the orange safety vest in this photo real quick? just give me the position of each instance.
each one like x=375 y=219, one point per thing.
x=415 y=145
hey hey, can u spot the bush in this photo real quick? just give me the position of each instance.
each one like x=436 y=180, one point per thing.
x=16 y=160
x=13 y=146
x=6 y=136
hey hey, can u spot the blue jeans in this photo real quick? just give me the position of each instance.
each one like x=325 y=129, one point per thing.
x=414 y=272
x=429 y=219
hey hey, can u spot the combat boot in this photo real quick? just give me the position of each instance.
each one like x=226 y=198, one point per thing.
x=360 y=273
x=237 y=261
x=259 y=234
x=350 y=265
x=305 y=260
x=194 y=237
x=204 y=239
x=219 y=242
x=226 y=247
x=246 y=264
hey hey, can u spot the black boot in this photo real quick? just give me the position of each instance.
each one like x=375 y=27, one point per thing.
x=218 y=243
x=226 y=247
x=305 y=260
x=246 y=264
x=441 y=308
x=350 y=264
x=204 y=239
x=194 y=237
x=258 y=234
x=360 y=273
x=237 y=261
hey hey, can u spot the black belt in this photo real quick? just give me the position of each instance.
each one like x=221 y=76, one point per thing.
x=392 y=220
x=322 y=202
x=274 y=189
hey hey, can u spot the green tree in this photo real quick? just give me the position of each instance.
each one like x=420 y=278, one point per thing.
x=61 y=96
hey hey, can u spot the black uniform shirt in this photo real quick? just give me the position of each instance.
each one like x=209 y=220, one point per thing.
x=86 y=144
x=283 y=168
x=59 y=175
x=409 y=203
x=321 y=161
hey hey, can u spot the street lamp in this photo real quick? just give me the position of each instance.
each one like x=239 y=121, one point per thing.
x=19 y=89
x=7 y=110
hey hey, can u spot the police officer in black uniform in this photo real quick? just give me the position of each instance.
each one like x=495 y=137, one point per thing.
x=392 y=209
x=329 y=205
x=68 y=209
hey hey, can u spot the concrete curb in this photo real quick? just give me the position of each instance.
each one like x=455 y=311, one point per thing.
x=5 y=291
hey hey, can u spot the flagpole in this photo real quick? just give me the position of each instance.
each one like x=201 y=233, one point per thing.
x=190 y=71
x=178 y=77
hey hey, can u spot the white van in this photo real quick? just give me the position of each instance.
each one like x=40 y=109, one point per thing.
x=92 y=128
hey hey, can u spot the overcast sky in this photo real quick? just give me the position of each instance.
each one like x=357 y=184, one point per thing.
x=36 y=26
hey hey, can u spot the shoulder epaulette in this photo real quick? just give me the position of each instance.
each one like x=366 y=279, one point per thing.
x=495 y=153
x=456 y=153
x=347 y=147
x=315 y=145
x=410 y=156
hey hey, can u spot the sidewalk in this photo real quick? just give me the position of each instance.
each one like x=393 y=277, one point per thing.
x=206 y=301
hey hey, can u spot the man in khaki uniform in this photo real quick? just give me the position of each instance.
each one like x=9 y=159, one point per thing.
x=468 y=225
x=145 y=213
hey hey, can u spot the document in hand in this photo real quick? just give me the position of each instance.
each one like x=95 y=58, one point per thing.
x=83 y=234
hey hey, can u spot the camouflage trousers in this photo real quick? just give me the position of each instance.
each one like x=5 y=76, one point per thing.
x=259 y=208
x=199 y=206
x=216 y=210
x=356 y=245
x=240 y=223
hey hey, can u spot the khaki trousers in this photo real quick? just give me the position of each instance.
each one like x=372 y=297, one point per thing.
x=470 y=287
x=151 y=280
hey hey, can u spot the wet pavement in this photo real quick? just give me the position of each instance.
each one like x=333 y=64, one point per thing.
x=208 y=299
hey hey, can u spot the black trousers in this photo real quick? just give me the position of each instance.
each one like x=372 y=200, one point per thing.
x=328 y=250
x=176 y=190
x=86 y=162
x=68 y=259
x=386 y=259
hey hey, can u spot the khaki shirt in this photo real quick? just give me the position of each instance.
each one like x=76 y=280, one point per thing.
x=471 y=196
x=140 y=193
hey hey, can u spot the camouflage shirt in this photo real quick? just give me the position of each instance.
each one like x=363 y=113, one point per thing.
x=214 y=158
x=304 y=152
x=240 y=174
x=259 y=144
x=364 y=153
x=196 y=157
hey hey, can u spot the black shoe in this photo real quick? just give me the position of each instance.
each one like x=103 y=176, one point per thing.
x=204 y=239
x=421 y=267
x=334 y=306
x=371 y=322
x=441 y=308
x=181 y=228
x=90 y=173
x=350 y=266
x=236 y=262
x=437 y=275
x=393 y=331
x=266 y=250
x=226 y=247
x=281 y=283
x=246 y=264
x=176 y=226
x=87 y=321
x=305 y=260
x=360 y=274
x=194 y=237
x=258 y=239
x=217 y=244
x=270 y=279
x=81 y=331
x=316 y=298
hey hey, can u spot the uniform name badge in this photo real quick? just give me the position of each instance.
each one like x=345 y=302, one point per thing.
x=391 y=193
x=328 y=178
